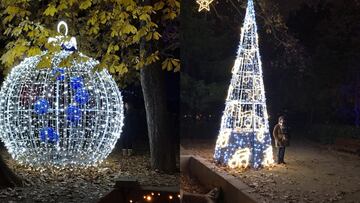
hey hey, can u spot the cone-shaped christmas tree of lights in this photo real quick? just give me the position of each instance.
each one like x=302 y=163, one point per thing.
x=244 y=139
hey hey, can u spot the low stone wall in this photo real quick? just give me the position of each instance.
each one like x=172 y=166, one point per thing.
x=128 y=189
x=233 y=190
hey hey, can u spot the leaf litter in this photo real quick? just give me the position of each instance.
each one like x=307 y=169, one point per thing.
x=50 y=184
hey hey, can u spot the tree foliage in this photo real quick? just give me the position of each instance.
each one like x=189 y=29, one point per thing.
x=108 y=30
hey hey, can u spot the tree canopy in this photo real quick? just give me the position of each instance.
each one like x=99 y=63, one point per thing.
x=108 y=30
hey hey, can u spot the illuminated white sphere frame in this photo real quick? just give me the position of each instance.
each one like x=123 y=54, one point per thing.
x=244 y=139
x=36 y=123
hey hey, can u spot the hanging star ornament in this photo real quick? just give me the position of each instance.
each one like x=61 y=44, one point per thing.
x=204 y=4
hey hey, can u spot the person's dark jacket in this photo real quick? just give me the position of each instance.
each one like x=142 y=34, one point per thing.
x=281 y=136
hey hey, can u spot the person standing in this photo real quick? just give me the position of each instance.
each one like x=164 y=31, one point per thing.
x=128 y=130
x=281 y=137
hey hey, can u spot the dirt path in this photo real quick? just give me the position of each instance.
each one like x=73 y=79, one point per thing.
x=80 y=185
x=313 y=174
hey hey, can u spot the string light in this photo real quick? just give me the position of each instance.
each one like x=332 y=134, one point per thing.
x=240 y=158
x=244 y=139
x=204 y=4
x=153 y=197
x=60 y=116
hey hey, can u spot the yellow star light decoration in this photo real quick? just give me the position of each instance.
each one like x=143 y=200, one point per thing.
x=204 y=4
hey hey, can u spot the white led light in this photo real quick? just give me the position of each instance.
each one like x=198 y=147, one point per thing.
x=244 y=139
x=48 y=117
x=240 y=158
x=204 y=4
x=65 y=25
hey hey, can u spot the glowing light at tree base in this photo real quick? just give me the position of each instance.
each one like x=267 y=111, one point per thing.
x=244 y=139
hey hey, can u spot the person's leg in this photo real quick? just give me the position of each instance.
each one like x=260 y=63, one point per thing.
x=279 y=155
x=124 y=144
x=283 y=155
x=129 y=144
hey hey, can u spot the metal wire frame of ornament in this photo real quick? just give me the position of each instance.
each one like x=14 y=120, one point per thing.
x=60 y=116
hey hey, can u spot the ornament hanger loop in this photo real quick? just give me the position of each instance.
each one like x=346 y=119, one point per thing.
x=64 y=24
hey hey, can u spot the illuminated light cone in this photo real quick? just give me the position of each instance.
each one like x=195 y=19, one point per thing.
x=244 y=139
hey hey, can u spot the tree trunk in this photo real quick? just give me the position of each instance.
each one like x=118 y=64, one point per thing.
x=162 y=148
x=7 y=177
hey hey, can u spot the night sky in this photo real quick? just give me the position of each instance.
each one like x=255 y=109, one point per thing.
x=312 y=81
x=287 y=6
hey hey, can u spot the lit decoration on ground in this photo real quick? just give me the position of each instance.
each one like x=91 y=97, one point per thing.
x=244 y=139
x=240 y=158
x=60 y=115
x=268 y=157
x=204 y=4
x=135 y=196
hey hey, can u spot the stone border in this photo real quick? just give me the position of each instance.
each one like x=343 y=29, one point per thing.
x=233 y=190
x=128 y=187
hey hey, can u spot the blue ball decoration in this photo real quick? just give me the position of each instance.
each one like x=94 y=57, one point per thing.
x=76 y=82
x=72 y=48
x=53 y=137
x=48 y=134
x=82 y=96
x=41 y=106
x=73 y=114
x=59 y=73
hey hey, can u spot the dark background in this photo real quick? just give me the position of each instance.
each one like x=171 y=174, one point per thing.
x=310 y=64
x=132 y=93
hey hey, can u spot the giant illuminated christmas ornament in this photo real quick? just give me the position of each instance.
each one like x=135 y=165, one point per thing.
x=60 y=115
x=244 y=138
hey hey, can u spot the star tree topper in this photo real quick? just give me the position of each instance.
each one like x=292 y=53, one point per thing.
x=204 y=4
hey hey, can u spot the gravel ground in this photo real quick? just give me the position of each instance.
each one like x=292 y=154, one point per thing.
x=191 y=185
x=313 y=173
x=79 y=184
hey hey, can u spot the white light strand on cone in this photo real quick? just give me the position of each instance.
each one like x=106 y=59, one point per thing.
x=62 y=116
x=244 y=139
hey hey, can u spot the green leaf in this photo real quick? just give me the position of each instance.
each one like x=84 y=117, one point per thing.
x=33 y=51
x=66 y=62
x=175 y=62
x=171 y=64
x=103 y=17
x=156 y=36
x=145 y=17
x=128 y=28
x=159 y=5
x=50 y=11
x=45 y=62
x=12 y=10
x=92 y=20
x=85 y=4
x=8 y=19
